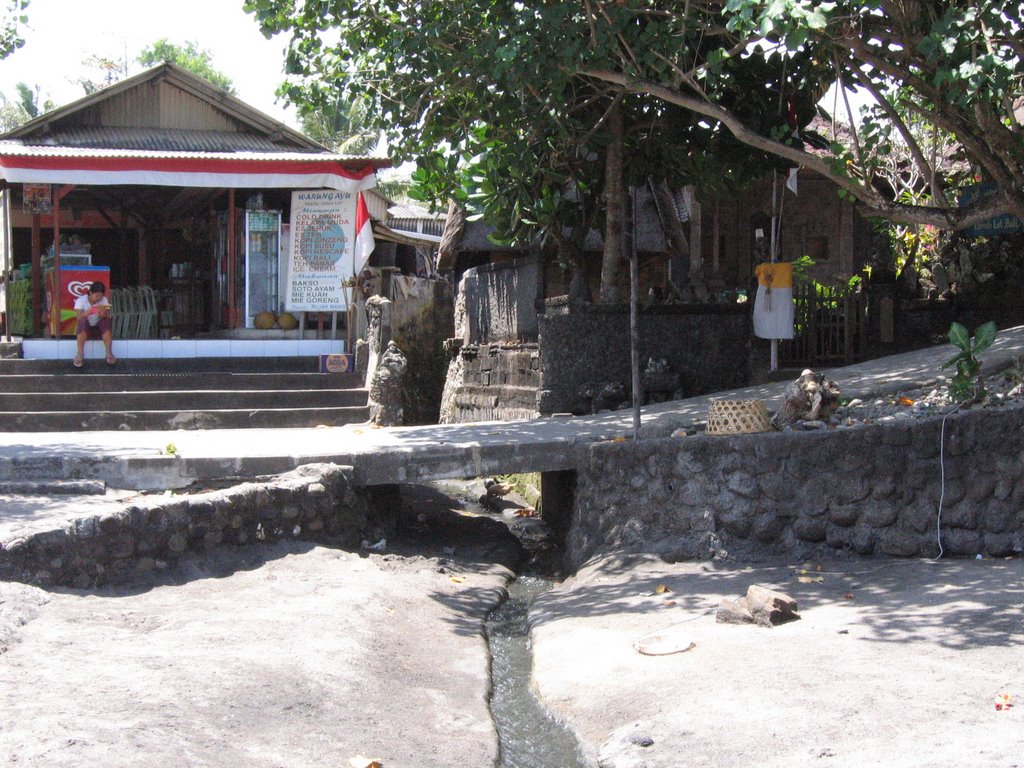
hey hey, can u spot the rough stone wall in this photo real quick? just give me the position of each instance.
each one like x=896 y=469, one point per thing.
x=872 y=489
x=707 y=345
x=421 y=321
x=314 y=502
x=496 y=382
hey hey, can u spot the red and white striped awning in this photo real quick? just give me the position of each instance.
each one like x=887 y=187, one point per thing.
x=259 y=170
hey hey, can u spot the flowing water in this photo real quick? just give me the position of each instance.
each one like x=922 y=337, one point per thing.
x=529 y=737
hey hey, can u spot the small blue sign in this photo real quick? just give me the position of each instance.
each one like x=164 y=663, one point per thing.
x=1004 y=224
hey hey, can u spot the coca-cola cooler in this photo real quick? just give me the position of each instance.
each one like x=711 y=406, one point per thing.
x=64 y=288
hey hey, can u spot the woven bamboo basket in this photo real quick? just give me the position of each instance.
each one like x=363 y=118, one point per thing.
x=738 y=417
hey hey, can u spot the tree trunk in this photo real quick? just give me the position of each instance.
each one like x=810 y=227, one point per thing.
x=614 y=200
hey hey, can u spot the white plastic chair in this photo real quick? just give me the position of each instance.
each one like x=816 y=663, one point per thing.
x=147 y=312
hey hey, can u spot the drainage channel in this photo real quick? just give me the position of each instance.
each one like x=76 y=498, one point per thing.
x=527 y=733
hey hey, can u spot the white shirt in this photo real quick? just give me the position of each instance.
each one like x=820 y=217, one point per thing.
x=82 y=303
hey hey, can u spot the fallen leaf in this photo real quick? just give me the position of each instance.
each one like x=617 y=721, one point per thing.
x=457 y=579
x=661 y=589
x=365 y=762
x=525 y=512
x=1004 y=701
x=618 y=439
x=906 y=401
x=810 y=579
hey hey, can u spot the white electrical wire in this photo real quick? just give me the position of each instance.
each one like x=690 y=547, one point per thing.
x=942 y=477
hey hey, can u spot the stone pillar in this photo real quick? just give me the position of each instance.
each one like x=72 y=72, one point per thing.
x=378 y=333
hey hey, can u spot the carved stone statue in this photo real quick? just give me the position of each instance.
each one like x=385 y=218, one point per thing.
x=386 y=388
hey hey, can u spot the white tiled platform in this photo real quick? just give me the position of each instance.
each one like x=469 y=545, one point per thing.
x=64 y=349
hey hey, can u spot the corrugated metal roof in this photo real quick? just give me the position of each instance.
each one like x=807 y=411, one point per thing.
x=410 y=211
x=424 y=226
x=101 y=137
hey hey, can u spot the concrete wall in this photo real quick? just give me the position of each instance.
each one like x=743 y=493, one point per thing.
x=312 y=503
x=872 y=489
x=707 y=345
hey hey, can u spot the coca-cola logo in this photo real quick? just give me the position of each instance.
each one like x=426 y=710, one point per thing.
x=79 y=287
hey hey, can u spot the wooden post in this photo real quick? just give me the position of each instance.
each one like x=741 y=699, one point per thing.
x=5 y=201
x=232 y=254
x=38 y=294
x=634 y=311
x=696 y=239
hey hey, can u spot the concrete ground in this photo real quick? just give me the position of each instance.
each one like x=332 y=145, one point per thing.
x=295 y=655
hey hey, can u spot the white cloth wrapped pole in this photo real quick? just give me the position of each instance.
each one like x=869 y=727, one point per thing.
x=773 y=305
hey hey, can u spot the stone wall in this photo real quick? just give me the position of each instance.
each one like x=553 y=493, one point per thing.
x=871 y=489
x=707 y=345
x=314 y=502
x=492 y=382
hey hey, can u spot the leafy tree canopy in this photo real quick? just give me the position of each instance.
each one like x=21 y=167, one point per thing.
x=13 y=19
x=190 y=56
x=535 y=80
x=341 y=123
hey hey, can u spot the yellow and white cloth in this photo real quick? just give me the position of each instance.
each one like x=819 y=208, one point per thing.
x=773 y=306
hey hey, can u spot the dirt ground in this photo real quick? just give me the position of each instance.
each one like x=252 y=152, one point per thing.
x=284 y=655
x=296 y=655
x=893 y=662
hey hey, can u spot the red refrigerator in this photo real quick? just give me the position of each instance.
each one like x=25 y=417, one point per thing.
x=62 y=291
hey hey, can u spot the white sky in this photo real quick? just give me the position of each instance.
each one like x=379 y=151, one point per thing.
x=62 y=33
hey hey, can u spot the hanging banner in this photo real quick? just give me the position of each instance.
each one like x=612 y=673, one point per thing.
x=321 y=253
x=36 y=198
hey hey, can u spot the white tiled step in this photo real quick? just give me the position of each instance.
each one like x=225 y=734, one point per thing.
x=64 y=349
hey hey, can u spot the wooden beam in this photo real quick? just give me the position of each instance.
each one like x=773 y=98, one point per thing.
x=37 y=274
x=232 y=253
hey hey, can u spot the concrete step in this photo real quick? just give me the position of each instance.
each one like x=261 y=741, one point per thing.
x=183 y=380
x=233 y=418
x=181 y=399
x=187 y=393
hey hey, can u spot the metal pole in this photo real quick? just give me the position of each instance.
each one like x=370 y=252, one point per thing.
x=634 y=311
x=773 y=255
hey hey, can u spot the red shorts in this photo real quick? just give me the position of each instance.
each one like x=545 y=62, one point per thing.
x=105 y=325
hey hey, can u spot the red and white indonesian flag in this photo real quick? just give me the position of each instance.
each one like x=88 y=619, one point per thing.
x=773 y=306
x=364 y=235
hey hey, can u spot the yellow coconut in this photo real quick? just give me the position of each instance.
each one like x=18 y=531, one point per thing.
x=286 y=321
x=263 y=320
